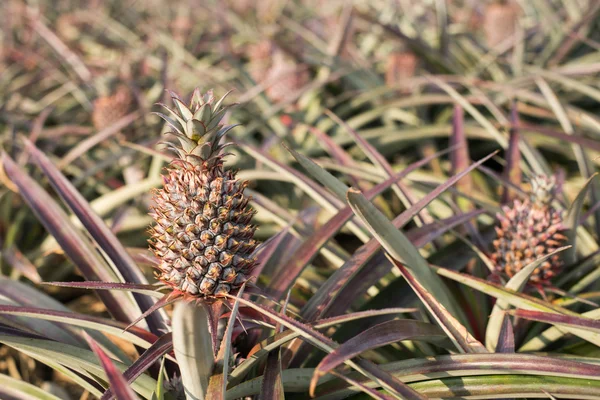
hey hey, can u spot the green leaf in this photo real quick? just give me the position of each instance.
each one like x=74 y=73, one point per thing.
x=75 y=358
x=516 y=283
x=27 y=390
x=401 y=249
x=572 y=220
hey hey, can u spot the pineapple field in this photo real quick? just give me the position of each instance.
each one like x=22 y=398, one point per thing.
x=299 y=199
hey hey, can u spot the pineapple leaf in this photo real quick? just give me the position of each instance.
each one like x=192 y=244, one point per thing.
x=173 y=113
x=400 y=248
x=572 y=219
x=516 y=283
x=458 y=334
x=117 y=382
x=170 y=122
x=326 y=179
x=184 y=111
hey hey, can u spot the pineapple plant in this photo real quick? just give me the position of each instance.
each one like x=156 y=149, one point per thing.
x=528 y=230
x=202 y=235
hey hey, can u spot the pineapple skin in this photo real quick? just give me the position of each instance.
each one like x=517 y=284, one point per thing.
x=528 y=230
x=202 y=235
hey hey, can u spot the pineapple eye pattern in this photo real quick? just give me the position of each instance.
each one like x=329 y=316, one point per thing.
x=202 y=234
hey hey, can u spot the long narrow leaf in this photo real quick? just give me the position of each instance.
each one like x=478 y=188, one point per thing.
x=118 y=384
x=75 y=246
x=100 y=232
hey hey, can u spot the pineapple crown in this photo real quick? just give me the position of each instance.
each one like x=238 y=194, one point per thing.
x=543 y=189
x=197 y=127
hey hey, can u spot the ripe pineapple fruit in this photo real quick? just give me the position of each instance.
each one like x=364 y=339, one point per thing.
x=202 y=236
x=528 y=230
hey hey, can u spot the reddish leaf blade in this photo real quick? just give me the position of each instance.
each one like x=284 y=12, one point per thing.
x=388 y=381
x=368 y=275
x=118 y=383
x=20 y=263
x=35 y=312
x=79 y=251
x=99 y=285
x=461 y=337
x=506 y=339
x=551 y=318
x=378 y=159
x=158 y=349
x=272 y=385
x=459 y=158
x=512 y=172
x=318 y=303
x=380 y=335
x=99 y=231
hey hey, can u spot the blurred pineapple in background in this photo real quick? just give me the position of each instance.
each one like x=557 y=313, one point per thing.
x=281 y=74
x=109 y=109
x=400 y=67
x=529 y=229
x=500 y=21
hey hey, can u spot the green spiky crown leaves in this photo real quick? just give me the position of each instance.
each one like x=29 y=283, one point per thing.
x=198 y=127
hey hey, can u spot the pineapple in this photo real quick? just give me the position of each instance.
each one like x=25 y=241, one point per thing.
x=528 y=230
x=202 y=235
x=109 y=109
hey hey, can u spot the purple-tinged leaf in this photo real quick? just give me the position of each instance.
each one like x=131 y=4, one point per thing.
x=461 y=337
x=83 y=319
x=118 y=384
x=99 y=285
x=27 y=296
x=93 y=140
x=259 y=351
x=403 y=192
x=576 y=34
x=371 y=392
x=378 y=266
x=18 y=261
x=361 y=315
x=558 y=319
x=398 y=246
x=294 y=174
x=587 y=143
x=459 y=158
x=268 y=249
x=12 y=331
x=380 y=335
x=337 y=152
x=83 y=255
x=512 y=171
x=506 y=339
x=367 y=368
x=100 y=232
x=309 y=249
x=158 y=349
x=483 y=365
x=162 y=302
x=272 y=385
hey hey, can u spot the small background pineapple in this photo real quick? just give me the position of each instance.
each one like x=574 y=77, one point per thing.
x=528 y=230
x=202 y=237
x=109 y=109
